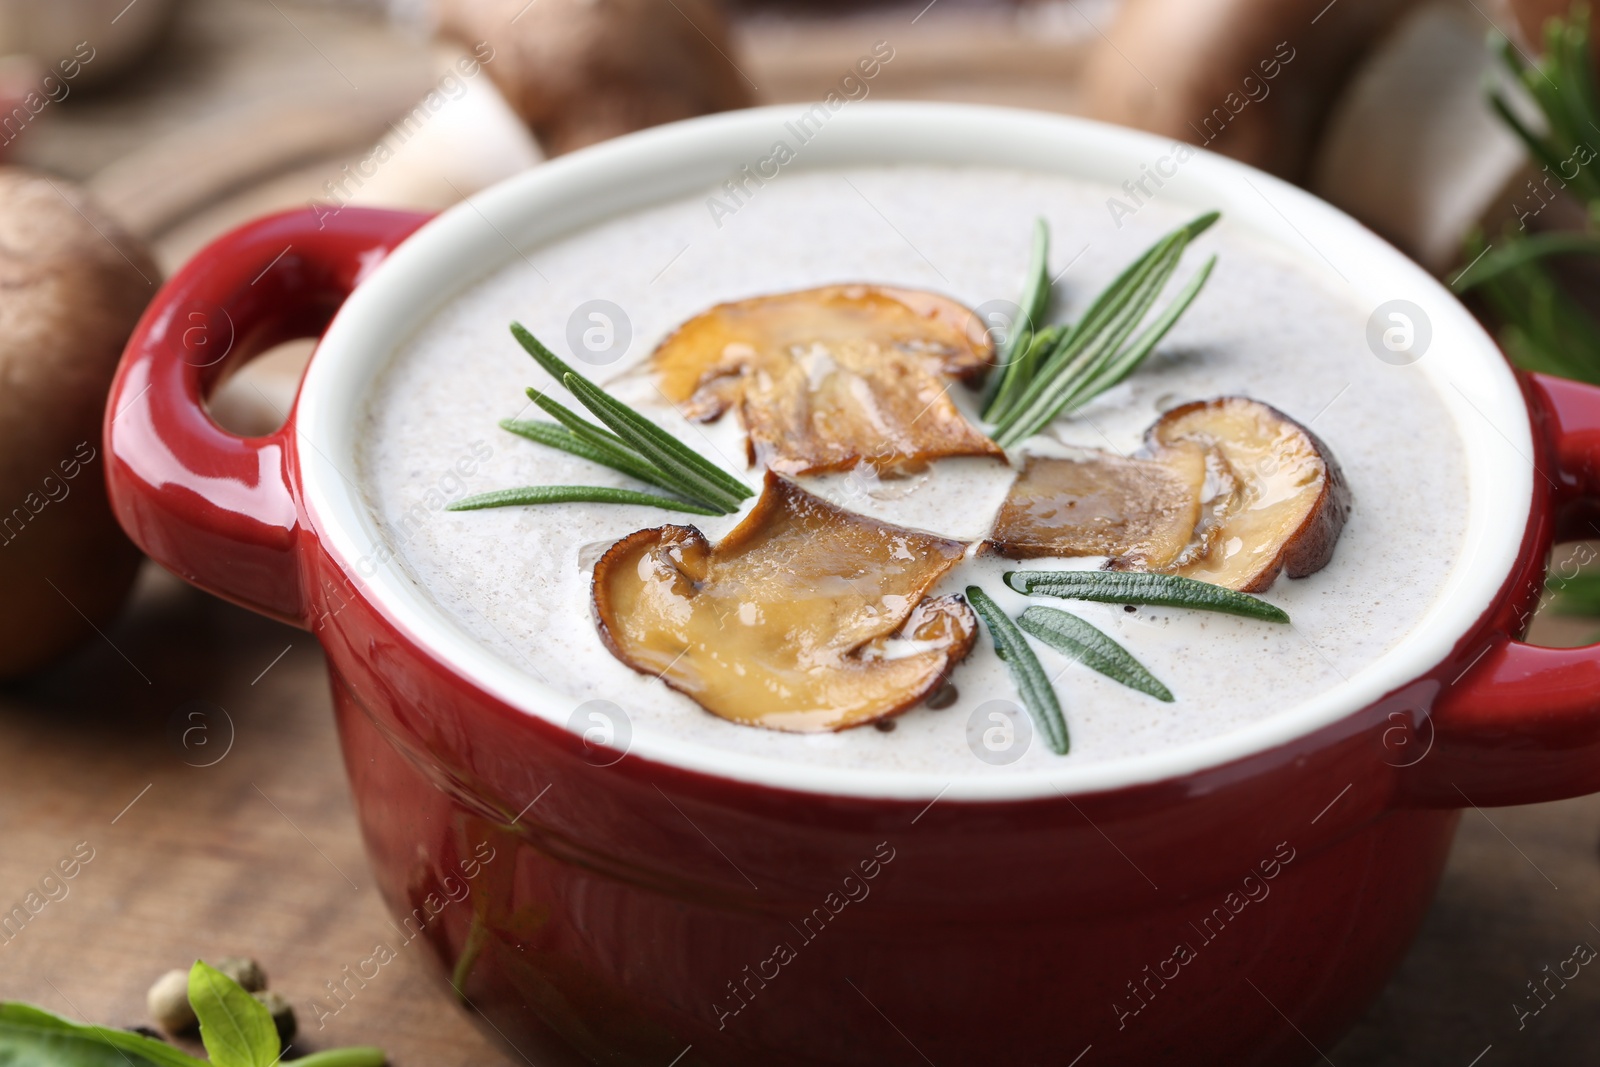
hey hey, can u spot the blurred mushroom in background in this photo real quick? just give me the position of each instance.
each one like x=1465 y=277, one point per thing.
x=100 y=38
x=72 y=285
x=1252 y=79
x=580 y=71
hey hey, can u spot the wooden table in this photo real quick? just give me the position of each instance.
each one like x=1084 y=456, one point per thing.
x=241 y=839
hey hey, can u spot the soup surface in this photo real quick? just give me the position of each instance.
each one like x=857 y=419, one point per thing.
x=1268 y=326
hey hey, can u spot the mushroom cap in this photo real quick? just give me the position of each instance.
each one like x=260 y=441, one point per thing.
x=580 y=71
x=72 y=286
x=1201 y=56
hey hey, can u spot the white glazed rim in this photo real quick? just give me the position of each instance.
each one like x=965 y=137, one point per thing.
x=692 y=158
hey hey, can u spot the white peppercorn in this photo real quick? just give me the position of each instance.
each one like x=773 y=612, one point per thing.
x=168 y=1001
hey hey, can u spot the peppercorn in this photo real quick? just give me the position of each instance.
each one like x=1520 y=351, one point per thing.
x=282 y=1014
x=244 y=970
x=168 y=1001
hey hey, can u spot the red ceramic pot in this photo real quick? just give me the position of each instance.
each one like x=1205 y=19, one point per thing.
x=1238 y=901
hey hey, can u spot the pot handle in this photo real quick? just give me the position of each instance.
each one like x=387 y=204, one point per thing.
x=1521 y=725
x=221 y=510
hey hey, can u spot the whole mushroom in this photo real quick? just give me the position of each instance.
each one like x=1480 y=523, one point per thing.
x=1252 y=79
x=72 y=286
x=83 y=43
x=580 y=71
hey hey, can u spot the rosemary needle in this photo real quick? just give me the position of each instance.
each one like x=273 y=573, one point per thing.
x=567 y=494
x=1138 y=587
x=1038 y=695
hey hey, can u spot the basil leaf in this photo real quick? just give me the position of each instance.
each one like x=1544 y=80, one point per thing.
x=25 y=1046
x=237 y=1028
x=1092 y=647
x=24 y=1026
x=355 y=1056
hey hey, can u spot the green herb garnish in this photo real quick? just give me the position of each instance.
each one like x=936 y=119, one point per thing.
x=30 y=1035
x=628 y=442
x=1575 y=594
x=1541 y=324
x=566 y=494
x=1044 y=374
x=1030 y=313
x=1038 y=695
x=1067 y=633
x=236 y=1028
x=1135 y=587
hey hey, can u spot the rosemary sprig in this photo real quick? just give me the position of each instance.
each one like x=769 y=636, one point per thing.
x=1030 y=313
x=629 y=443
x=1136 y=587
x=1090 y=646
x=566 y=494
x=1038 y=695
x=1101 y=349
x=1562 y=85
x=556 y=436
x=1542 y=326
x=695 y=478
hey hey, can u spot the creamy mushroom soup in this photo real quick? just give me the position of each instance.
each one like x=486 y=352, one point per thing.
x=1267 y=326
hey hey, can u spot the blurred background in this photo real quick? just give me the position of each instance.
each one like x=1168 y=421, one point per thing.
x=133 y=133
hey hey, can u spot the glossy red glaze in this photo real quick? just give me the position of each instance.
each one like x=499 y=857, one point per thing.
x=623 y=914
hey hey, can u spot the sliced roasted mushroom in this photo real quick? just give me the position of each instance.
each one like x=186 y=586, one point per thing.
x=1100 y=504
x=805 y=618
x=824 y=379
x=1230 y=491
x=1288 y=501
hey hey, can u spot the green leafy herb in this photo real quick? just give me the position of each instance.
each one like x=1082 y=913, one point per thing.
x=1543 y=321
x=565 y=494
x=1041 y=380
x=1578 y=594
x=22 y=1046
x=1033 y=686
x=231 y=1025
x=1067 y=633
x=1133 y=587
x=1542 y=326
x=30 y=1035
x=354 y=1056
x=558 y=436
x=1030 y=312
x=236 y=1027
x=628 y=442
x=697 y=479
x=1562 y=86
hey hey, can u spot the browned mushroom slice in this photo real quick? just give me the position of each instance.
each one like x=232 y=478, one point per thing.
x=805 y=618
x=1288 y=501
x=824 y=379
x=1139 y=511
x=1230 y=491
